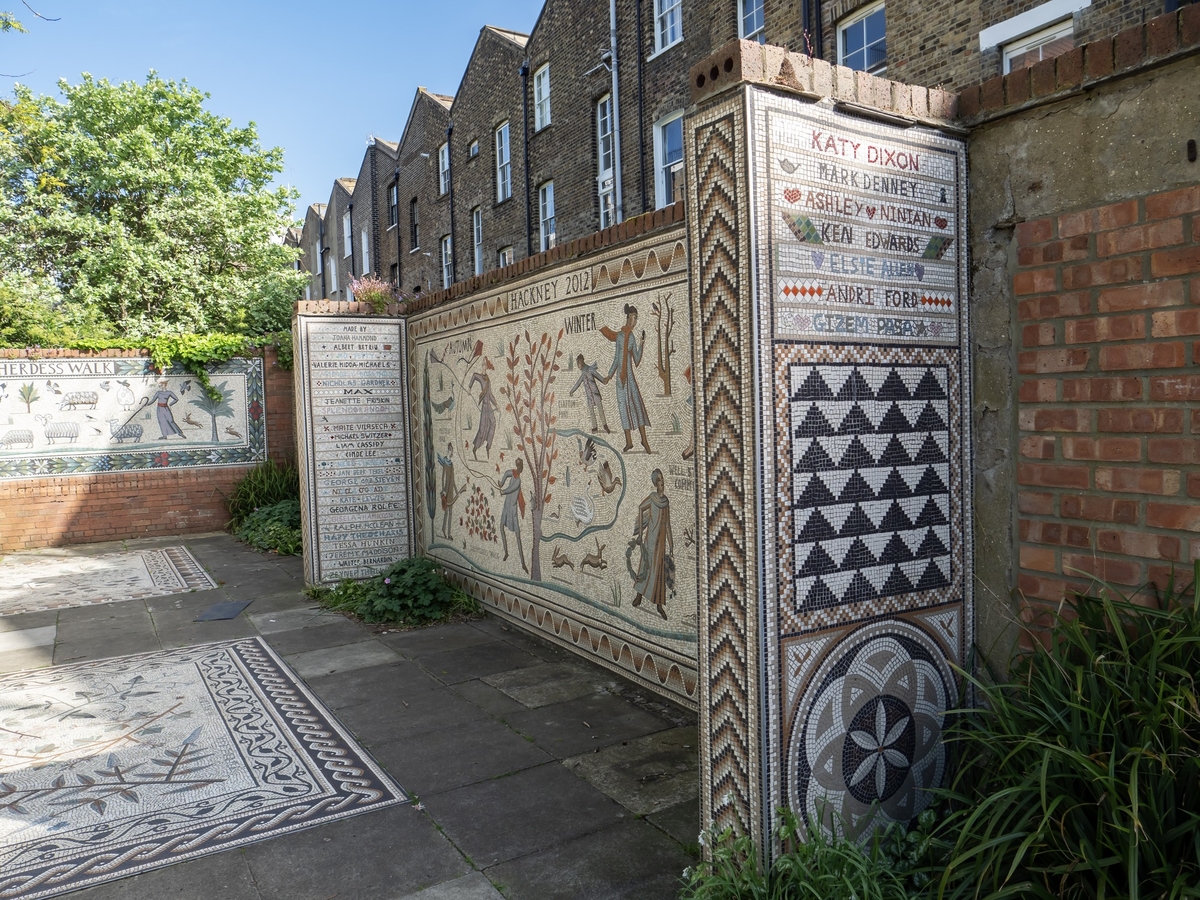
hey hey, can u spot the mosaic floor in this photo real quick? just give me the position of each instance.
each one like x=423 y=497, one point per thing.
x=36 y=583
x=113 y=767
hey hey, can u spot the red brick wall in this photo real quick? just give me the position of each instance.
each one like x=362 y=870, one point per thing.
x=80 y=509
x=1109 y=470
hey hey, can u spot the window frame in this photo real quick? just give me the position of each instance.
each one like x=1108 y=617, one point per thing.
x=333 y=279
x=860 y=16
x=366 y=253
x=505 y=256
x=414 y=225
x=347 y=235
x=547 y=237
x=473 y=149
x=444 y=169
x=662 y=197
x=541 y=104
x=477 y=235
x=393 y=204
x=605 y=176
x=759 y=33
x=672 y=12
x=447 y=245
x=1033 y=40
x=503 y=168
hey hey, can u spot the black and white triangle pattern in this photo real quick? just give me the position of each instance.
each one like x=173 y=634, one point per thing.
x=871 y=481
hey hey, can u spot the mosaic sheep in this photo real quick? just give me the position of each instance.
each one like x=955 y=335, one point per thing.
x=127 y=432
x=61 y=431
x=73 y=399
x=16 y=436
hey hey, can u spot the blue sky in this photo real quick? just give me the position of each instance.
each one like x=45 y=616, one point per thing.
x=317 y=78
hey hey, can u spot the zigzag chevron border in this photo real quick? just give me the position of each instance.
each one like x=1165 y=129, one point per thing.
x=729 y=714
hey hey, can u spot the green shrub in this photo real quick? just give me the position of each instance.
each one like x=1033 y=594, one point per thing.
x=275 y=527
x=895 y=865
x=1079 y=775
x=265 y=485
x=413 y=591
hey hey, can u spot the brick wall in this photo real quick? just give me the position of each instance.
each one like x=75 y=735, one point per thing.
x=81 y=509
x=425 y=131
x=1109 y=424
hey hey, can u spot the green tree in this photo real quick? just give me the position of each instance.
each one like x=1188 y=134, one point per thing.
x=216 y=408
x=145 y=210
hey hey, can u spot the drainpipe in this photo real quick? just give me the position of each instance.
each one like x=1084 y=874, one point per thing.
x=524 y=71
x=399 y=256
x=321 y=254
x=450 y=181
x=618 y=193
x=820 y=31
x=641 y=106
x=353 y=264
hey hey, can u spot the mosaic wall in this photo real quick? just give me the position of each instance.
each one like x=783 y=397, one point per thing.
x=554 y=459
x=865 y=573
x=826 y=260
x=78 y=416
x=353 y=427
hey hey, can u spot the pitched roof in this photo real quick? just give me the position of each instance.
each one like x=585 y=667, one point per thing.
x=347 y=184
x=517 y=37
x=443 y=99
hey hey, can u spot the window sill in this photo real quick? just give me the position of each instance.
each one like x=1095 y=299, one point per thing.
x=390 y=227
x=657 y=53
x=545 y=127
x=500 y=203
x=414 y=250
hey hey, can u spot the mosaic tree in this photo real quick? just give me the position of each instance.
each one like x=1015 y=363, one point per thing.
x=532 y=367
x=217 y=407
x=664 y=315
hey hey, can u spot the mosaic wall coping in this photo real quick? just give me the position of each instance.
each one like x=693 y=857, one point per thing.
x=1159 y=41
x=344 y=308
x=636 y=226
x=856 y=92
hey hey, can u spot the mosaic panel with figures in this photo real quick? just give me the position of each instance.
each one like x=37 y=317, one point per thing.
x=554 y=455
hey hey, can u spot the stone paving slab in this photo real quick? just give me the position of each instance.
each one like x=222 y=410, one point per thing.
x=535 y=809
x=548 y=683
x=584 y=724
x=27 y=638
x=629 y=861
x=473 y=715
x=482 y=749
x=470 y=887
x=647 y=774
x=346 y=658
x=377 y=856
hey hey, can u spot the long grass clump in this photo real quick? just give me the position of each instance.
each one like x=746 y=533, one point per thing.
x=1079 y=774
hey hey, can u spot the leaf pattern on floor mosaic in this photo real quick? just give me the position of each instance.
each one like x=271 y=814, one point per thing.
x=112 y=767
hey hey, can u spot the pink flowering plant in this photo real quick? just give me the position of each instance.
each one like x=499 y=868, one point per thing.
x=373 y=290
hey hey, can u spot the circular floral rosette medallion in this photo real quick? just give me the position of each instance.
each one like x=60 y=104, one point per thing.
x=866 y=744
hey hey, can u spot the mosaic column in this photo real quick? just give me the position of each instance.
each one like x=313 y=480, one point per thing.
x=829 y=273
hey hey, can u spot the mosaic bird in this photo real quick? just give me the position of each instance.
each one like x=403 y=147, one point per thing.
x=105 y=385
x=608 y=481
x=229 y=429
x=52 y=386
x=587 y=452
x=582 y=509
x=3 y=390
x=185 y=387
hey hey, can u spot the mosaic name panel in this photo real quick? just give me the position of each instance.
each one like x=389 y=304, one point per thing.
x=554 y=455
x=354 y=439
x=85 y=415
x=866 y=568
